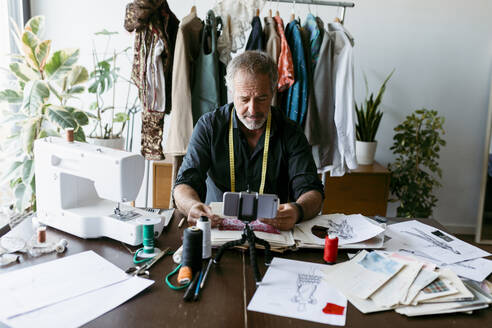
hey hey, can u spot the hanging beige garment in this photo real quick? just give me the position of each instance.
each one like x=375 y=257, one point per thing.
x=272 y=45
x=186 y=51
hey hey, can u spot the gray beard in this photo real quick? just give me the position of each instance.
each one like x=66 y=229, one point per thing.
x=252 y=126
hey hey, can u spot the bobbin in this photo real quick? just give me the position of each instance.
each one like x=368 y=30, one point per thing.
x=148 y=251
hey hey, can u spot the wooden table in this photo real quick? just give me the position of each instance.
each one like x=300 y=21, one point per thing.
x=229 y=288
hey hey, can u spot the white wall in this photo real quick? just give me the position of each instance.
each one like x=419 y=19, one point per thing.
x=441 y=50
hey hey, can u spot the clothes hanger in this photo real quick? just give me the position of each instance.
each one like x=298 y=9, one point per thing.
x=293 y=14
x=277 y=13
x=193 y=8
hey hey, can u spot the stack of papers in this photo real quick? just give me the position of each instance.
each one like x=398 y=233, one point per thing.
x=68 y=292
x=433 y=245
x=380 y=281
x=278 y=240
x=353 y=231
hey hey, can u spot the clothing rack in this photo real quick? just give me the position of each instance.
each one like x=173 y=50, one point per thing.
x=344 y=5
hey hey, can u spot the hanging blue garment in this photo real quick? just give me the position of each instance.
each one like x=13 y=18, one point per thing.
x=315 y=37
x=255 y=40
x=295 y=104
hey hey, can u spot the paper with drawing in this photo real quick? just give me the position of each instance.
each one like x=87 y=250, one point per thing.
x=413 y=237
x=349 y=229
x=296 y=289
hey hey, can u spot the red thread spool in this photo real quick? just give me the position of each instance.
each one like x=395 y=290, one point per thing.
x=331 y=249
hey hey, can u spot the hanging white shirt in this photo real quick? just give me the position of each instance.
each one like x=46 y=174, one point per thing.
x=344 y=115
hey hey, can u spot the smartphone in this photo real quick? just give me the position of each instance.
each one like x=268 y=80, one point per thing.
x=253 y=205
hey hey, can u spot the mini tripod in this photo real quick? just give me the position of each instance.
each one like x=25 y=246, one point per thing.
x=247 y=235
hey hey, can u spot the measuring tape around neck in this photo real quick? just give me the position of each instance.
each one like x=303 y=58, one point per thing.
x=265 y=153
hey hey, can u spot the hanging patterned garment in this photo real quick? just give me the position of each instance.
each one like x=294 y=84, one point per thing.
x=185 y=55
x=224 y=42
x=272 y=46
x=255 y=40
x=208 y=82
x=295 y=104
x=156 y=28
x=285 y=64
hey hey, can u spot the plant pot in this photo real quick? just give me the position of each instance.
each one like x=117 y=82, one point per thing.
x=365 y=151
x=115 y=143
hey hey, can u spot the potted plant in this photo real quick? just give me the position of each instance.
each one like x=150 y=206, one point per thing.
x=368 y=119
x=415 y=173
x=107 y=123
x=42 y=102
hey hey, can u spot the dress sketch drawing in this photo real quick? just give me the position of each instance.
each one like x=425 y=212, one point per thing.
x=433 y=241
x=306 y=287
x=343 y=229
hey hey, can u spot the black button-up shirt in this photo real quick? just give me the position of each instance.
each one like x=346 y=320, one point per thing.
x=290 y=169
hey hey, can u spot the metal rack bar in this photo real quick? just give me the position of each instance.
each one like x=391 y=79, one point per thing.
x=321 y=3
x=344 y=5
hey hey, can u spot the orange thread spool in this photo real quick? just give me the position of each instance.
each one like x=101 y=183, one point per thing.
x=184 y=275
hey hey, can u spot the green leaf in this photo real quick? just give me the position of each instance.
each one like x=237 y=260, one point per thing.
x=42 y=52
x=105 y=32
x=78 y=75
x=90 y=115
x=35 y=94
x=28 y=136
x=10 y=96
x=75 y=90
x=13 y=117
x=61 y=63
x=12 y=170
x=121 y=117
x=29 y=43
x=36 y=26
x=24 y=72
x=20 y=194
x=81 y=118
x=28 y=171
x=61 y=117
x=48 y=133
x=79 y=135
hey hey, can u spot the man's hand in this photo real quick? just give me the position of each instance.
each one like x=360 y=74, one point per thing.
x=200 y=209
x=286 y=218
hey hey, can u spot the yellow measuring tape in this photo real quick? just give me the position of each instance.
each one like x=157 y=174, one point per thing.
x=265 y=153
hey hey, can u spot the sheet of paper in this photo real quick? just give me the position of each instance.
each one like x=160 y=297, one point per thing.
x=477 y=269
x=296 y=289
x=412 y=236
x=40 y=285
x=438 y=288
x=364 y=274
x=77 y=311
x=396 y=289
x=349 y=229
x=332 y=278
x=424 y=278
x=478 y=302
x=463 y=294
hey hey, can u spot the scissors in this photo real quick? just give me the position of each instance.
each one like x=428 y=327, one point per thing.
x=143 y=270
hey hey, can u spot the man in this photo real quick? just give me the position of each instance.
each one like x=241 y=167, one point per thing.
x=209 y=170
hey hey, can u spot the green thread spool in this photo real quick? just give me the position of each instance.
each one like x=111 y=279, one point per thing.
x=148 y=250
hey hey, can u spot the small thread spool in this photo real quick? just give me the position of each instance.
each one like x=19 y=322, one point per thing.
x=41 y=231
x=185 y=274
x=192 y=249
x=61 y=246
x=331 y=249
x=204 y=225
x=69 y=134
x=148 y=249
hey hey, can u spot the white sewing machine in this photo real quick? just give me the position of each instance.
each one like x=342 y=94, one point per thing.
x=79 y=188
